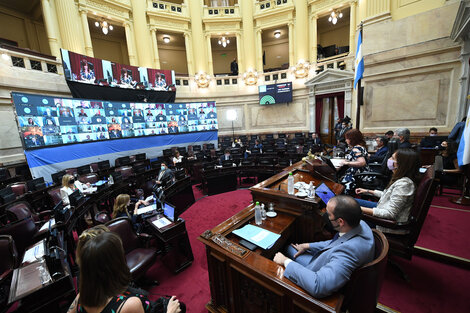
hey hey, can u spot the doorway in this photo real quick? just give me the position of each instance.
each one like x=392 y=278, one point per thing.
x=328 y=108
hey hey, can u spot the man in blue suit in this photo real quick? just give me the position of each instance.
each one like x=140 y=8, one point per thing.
x=322 y=268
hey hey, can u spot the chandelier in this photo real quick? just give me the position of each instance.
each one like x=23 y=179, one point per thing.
x=335 y=16
x=105 y=26
x=224 y=41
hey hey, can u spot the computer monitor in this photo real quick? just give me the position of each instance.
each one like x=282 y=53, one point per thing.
x=227 y=163
x=435 y=141
x=84 y=169
x=57 y=177
x=139 y=169
x=104 y=165
x=7 y=195
x=117 y=177
x=75 y=197
x=124 y=160
x=36 y=184
x=140 y=157
x=170 y=211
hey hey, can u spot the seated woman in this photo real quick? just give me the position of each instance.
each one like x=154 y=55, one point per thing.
x=177 y=158
x=120 y=209
x=105 y=277
x=396 y=200
x=69 y=185
x=356 y=159
x=450 y=163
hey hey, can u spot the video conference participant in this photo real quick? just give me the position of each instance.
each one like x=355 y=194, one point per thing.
x=396 y=200
x=86 y=74
x=105 y=277
x=322 y=268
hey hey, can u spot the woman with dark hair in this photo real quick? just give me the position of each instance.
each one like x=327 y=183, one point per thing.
x=86 y=74
x=396 y=200
x=105 y=277
x=450 y=163
x=356 y=159
x=120 y=209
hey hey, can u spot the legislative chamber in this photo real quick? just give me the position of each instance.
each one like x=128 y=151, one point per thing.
x=242 y=155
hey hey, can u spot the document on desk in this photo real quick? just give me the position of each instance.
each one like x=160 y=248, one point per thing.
x=161 y=222
x=337 y=162
x=46 y=224
x=146 y=209
x=34 y=253
x=261 y=237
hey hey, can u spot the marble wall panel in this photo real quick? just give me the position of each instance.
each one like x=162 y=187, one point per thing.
x=277 y=116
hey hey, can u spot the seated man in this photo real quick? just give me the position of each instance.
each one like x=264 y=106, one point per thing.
x=427 y=142
x=226 y=156
x=382 y=150
x=322 y=268
x=165 y=174
x=403 y=135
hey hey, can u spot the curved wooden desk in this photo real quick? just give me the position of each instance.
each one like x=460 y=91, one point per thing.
x=249 y=281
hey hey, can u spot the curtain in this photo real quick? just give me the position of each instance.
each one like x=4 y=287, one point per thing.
x=340 y=101
x=318 y=113
x=152 y=73
x=75 y=64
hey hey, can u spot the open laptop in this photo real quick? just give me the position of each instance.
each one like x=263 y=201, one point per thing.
x=324 y=192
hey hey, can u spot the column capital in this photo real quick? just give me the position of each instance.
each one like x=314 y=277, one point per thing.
x=353 y=2
x=314 y=17
x=126 y=23
x=259 y=31
x=81 y=9
x=186 y=34
x=153 y=30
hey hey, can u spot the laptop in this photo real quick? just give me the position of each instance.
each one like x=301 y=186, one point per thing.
x=324 y=192
x=170 y=212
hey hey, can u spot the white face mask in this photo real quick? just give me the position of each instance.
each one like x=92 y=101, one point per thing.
x=432 y=134
x=163 y=167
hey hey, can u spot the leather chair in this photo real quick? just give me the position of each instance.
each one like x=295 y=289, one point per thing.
x=126 y=171
x=362 y=291
x=23 y=233
x=402 y=245
x=19 y=188
x=102 y=217
x=21 y=210
x=54 y=194
x=139 y=258
x=88 y=178
x=94 y=167
x=8 y=262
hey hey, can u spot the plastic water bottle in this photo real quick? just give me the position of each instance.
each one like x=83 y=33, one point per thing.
x=258 y=219
x=111 y=180
x=263 y=212
x=311 y=190
x=290 y=184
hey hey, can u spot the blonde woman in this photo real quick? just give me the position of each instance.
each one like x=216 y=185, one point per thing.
x=120 y=208
x=69 y=185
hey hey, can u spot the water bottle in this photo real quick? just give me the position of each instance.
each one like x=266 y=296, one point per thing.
x=290 y=184
x=111 y=180
x=258 y=219
x=311 y=190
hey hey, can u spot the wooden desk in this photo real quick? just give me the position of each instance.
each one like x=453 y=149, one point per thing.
x=221 y=180
x=249 y=281
x=177 y=253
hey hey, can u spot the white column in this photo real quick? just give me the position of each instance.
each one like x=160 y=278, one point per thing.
x=259 y=52
x=291 y=44
x=240 y=58
x=189 y=53
x=52 y=35
x=313 y=49
x=156 y=57
x=210 y=62
x=352 y=28
x=130 y=44
x=86 y=32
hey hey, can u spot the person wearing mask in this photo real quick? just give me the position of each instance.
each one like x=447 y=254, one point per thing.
x=69 y=185
x=322 y=268
x=356 y=159
x=177 y=158
x=105 y=278
x=226 y=156
x=382 y=150
x=450 y=164
x=344 y=129
x=338 y=127
x=165 y=174
x=427 y=142
x=257 y=145
x=389 y=134
x=403 y=135
x=396 y=200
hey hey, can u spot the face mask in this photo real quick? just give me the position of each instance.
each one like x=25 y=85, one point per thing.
x=71 y=181
x=390 y=164
x=328 y=225
x=163 y=167
x=432 y=135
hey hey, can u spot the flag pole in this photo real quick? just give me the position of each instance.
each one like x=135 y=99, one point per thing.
x=358 y=90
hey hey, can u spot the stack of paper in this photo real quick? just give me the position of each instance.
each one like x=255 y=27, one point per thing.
x=261 y=237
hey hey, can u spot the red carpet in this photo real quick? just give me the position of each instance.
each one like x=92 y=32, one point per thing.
x=434 y=287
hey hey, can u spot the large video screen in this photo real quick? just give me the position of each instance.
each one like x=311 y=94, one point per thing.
x=276 y=93
x=85 y=69
x=46 y=121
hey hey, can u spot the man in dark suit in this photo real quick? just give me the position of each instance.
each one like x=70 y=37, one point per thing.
x=382 y=150
x=165 y=174
x=226 y=156
x=403 y=135
x=234 y=67
x=322 y=268
x=316 y=139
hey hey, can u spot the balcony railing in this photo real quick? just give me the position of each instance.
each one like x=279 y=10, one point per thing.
x=220 y=12
x=333 y=62
x=29 y=60
x=170 y=8
x=268 y=5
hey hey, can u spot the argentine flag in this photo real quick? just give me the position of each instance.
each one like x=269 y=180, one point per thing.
x=463 y=154
x=359 y=63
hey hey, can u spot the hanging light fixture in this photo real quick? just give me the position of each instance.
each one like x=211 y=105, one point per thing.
x=223 y=41
x=105 y=26
x=335 y=16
